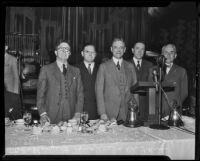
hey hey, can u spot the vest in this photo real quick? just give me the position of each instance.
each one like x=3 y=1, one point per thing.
x=64 y=112
x=121 y=78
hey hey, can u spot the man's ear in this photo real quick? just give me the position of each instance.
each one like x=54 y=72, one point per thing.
x=56 y=52
x=111 y=49
x=82 y=53
x=175 y=56
x=132 y=49
x=124 y=49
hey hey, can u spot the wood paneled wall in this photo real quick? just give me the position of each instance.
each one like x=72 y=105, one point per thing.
x=98 y=25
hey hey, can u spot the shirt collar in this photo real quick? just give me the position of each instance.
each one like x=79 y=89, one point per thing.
x=60 y=64
x=169 y=65
x=87 y=64
x=116 y=60
x=136 y=61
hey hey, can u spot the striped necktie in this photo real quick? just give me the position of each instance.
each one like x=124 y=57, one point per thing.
x=64 y=70
x=118 y=66
x=89 y=69
x=138 y=65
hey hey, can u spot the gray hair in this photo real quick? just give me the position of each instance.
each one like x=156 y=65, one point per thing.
x=119 y=39
x=172 y=45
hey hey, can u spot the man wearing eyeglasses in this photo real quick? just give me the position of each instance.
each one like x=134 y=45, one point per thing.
x=88 y=69
x=59 y=90
x=176 y=74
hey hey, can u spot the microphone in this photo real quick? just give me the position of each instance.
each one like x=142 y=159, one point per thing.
x=155 y=78
x=161 y=60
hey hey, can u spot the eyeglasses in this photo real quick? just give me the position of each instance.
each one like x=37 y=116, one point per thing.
x=86 y=51
x=64 y=49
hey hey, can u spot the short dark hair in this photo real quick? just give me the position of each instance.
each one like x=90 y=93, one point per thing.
x=61 y=41
x=88 y=44
x=139 y=42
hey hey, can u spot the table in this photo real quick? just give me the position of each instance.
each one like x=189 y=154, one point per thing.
x=119 y=140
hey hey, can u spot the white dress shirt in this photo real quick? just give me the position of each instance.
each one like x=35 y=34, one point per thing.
x=168 y=67
x=91 y=66
x=117 y=60
x=60 y=65
x=136 y=61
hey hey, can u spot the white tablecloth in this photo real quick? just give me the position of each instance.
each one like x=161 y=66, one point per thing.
x=120 y=140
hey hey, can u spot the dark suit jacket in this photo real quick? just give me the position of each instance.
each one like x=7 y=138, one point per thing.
x=48 y=90
x=177 y=75
x=142 y=75
x=88 y=81
x=107 y=88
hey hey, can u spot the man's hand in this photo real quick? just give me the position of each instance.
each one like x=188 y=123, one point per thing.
x=104 y=117
x=43 y=119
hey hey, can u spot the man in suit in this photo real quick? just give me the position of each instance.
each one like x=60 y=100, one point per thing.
x=177 y=75
x=13 y=107
x=142 y=70
x=59 y=90
x=88 y=69
x=113 y=82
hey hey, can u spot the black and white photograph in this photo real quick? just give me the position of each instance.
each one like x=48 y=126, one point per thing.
x=105 y=79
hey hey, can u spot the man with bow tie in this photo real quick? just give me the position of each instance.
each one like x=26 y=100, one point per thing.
x=142 y=70
x=113 y=82
x=59 y=90
x=175 y=74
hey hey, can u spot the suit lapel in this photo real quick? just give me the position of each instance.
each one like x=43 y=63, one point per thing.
x=132 y=61
x=113 y=72
x=126 y=69
x=85 y=68
x=141 y=70
x=56 y=72
x=173 y=69
x=69 y=76
x=94 y=72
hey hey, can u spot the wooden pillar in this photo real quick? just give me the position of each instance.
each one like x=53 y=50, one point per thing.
x=69 y=23
x=63 y=21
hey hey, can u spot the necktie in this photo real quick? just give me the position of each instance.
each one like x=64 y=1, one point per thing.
x=89 y=69
x=138 y=65
x=167 y=68
x=118 y=66
x=64 y=70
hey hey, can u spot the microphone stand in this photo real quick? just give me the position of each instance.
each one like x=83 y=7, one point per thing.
x=20 y=82
x=159 y=125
